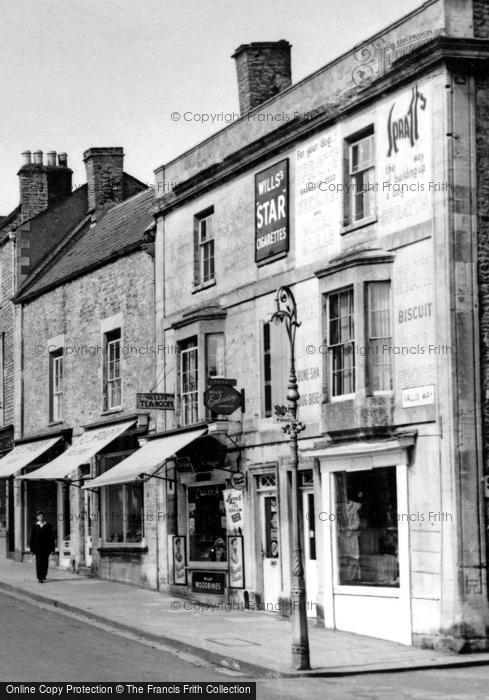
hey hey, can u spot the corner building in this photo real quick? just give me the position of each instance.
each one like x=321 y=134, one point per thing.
x=362 y=188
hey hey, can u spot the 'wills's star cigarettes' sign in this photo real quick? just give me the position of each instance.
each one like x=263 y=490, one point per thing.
x=272 y=211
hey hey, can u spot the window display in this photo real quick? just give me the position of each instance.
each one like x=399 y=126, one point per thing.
x=366 y=527
x=207 y=523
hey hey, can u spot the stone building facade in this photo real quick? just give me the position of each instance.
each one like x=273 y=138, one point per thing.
x=360 y=188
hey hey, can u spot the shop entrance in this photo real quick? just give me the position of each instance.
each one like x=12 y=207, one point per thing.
x=270 y=540
x=310 y=563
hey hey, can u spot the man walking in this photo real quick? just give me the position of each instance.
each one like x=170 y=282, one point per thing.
x=42 y=545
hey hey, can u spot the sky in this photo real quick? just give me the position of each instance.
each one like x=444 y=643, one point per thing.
x=90 y=73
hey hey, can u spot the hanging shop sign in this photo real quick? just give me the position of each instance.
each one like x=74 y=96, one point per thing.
x=272 y=211
x=158 y=402
x=238 y=481
x=222 y=399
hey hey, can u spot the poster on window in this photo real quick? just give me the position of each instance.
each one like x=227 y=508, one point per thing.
x=272 y=211
x=236 y=567
x=234 y=504
x=179 y=561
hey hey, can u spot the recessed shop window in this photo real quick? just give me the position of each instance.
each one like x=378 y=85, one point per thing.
x=360 y=172
x=379 y=337
x=341 y=342
x=124 y=513
x=204 y=263
x=206 y=523
x=189 y=381
x=367 y=528
x=112 y=370
x=40 y=495
x=56 y=385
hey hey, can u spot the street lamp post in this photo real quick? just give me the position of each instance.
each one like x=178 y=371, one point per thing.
x=287 y=312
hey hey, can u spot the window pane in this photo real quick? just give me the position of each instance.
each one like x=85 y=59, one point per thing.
x=342 y=348
x=367 y=527
x=207 y=523
x=134 y=512
x=215 y=355
x=114 y=514
x=379 y=343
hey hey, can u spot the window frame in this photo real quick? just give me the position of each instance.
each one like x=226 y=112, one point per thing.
x=112 y=339
x=204 y=264
x=186 y=348
x=369 y=285
x=105 y=508
x=350 y=289
x=56 y=391
x=352 y=174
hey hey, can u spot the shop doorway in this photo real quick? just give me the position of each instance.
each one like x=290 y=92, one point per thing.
x=310 y=560
x=270 y=540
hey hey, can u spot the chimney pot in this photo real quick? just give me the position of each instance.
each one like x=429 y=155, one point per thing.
x=51 y=156
x=263 y=70
x=26 y=158
x=63 y=159
x=37 y=157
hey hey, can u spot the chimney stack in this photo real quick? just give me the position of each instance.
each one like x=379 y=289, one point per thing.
x=42 y=185
x=105 y=176
x=263 y=70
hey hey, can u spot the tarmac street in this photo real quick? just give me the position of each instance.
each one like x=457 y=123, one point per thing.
x=49 y=645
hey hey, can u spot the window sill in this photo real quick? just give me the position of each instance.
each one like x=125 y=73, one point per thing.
x=359 y=224
x=55 y=422
x=204 y=285
x=120 y=547
x=371 y=591
x=109 y=411
x=207 y=566
x=342 y=397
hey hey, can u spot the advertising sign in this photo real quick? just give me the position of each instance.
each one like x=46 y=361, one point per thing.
x=222 y=399
x=153 y=401
x=209 y=582
x=272 y=211
x=236 y=568
x=179 y=561
x=234 y=504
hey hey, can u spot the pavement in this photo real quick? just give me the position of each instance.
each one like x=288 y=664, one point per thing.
x=250 y=642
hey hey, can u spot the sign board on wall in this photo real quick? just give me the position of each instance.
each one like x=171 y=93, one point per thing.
x=154 y=401
x=272 y=211
x=209 y=582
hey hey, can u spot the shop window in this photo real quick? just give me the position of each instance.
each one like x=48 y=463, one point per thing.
x=275 y=370
x=379 y=337
x=124 y=513
x=341 y=341
x=56 y=361
x=360 y=202
x=207 y=523
x=66 y=512
x=204 y=266
x=367 y=528
x=112 y=370
x=189 y=382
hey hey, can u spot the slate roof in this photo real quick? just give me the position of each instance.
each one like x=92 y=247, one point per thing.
x=119 y=231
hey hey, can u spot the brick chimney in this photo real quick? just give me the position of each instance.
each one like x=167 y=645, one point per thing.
x=105 y=176
x=41 y=185
x=263 y=70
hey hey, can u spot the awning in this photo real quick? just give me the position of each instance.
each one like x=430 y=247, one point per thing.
x=145 y=460
x=23 y=455
x=80 y=452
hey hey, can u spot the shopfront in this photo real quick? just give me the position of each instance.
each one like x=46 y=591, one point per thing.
x=366 y=587
x=55 y=487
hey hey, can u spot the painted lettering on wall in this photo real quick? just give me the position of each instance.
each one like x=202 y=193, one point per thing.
x=406 y=126
x=413 y=313
x=272 y=210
